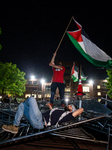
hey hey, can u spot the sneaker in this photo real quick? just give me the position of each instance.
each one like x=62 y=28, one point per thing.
x=10 y=128
x=51 y=104
x=63 y=105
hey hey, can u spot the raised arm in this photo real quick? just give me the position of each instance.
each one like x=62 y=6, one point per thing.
x=77 y=112
x=52 y=64
x=48 y=105
x=53 y=59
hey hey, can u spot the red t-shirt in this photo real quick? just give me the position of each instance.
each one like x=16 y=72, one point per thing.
x=58 y=75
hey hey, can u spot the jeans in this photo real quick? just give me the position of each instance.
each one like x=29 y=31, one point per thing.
x=61 y=87
x=31 y=111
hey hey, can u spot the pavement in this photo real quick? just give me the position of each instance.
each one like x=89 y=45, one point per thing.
x=56 y=143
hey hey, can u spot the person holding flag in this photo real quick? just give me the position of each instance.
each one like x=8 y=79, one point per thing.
x=57 y=80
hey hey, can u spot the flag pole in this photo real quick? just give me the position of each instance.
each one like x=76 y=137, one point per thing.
x=80 y=99
x=80 y=71
x=63 y=35
x=71 y=74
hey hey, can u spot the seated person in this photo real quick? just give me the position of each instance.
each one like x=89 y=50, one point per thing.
x=30 y=109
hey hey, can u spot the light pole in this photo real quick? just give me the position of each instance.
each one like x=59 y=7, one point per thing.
x=91 y=82
x=66 y=100
x=42 y=82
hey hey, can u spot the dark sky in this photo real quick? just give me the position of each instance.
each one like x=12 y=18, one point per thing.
x=32 y=30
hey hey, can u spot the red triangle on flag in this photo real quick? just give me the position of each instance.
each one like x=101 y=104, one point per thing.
x=77 y=34
x=73 y=69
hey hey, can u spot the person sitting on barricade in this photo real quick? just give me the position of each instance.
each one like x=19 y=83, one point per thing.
x=37 y=120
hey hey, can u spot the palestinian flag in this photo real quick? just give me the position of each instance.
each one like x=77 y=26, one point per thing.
x=83 y=77
x=88 y=49
x=75 y=74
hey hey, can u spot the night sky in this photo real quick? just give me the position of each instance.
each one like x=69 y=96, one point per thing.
x=32 y=30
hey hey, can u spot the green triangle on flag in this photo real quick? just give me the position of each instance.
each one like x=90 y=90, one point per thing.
x=75 y=74
x=88 y=49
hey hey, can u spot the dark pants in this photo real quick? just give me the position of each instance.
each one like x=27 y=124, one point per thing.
x=61 y=87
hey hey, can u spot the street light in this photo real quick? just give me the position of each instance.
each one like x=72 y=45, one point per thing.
x=32 y=77
x=66 y=100
x=42 y=81
x=90 y=81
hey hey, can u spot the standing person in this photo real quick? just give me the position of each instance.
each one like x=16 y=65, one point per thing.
x=57 y=80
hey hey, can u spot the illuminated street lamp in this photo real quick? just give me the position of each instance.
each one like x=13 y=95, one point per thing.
x=42 y=81
x=32 y=77
x=66 y=101
x=90 y=81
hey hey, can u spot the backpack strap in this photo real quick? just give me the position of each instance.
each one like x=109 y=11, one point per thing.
x=61 y=117
x=49 y=122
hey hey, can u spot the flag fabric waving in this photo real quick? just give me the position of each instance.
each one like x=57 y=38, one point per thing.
x=88 y=49
x=75 y=72
x=83 y=77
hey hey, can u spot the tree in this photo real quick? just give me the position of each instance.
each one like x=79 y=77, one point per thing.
x=109 y=82
x=12 y=80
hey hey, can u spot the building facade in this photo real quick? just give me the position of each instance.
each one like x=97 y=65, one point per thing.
x=43 y=90
x=95 y=89
x=37 y=89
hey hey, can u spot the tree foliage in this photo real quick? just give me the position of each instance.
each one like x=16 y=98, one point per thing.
x=109 y=83
x=12 y=80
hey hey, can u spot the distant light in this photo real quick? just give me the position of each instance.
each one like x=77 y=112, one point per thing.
x=42 y=81
x=90 y=81
x=32 y=77
x=66 y=99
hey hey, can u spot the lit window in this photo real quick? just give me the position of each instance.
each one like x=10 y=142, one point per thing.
x=99 y=93
x=67 y=89
x=34 y=95
x=99 y=100
x=39 y=95
x=85 y=89
x=98 y=86
x=27 y=95
x=47 y=95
